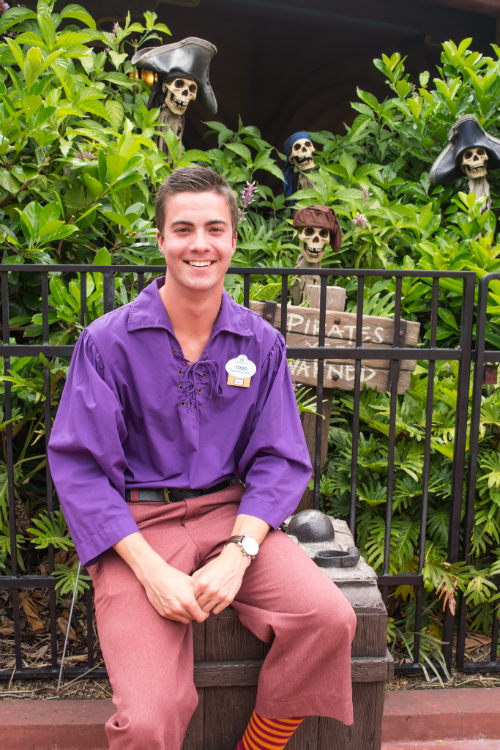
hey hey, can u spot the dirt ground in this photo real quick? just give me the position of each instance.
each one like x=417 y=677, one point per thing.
x=35 y=651
x=98 y=688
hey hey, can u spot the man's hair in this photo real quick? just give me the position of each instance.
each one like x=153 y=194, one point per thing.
x=194 y=180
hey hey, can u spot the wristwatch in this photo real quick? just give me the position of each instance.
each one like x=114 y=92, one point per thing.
x=248 y=545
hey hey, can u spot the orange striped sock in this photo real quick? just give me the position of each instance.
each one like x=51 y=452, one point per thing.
x=268 y=734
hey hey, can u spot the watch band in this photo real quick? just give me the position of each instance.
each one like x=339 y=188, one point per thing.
x=236 y=539
x=239 y=541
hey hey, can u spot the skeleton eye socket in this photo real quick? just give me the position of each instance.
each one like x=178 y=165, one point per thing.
x=179 y=83
x=192 y=88
x=324 y=234
x=309 y=231
x=481 y=152
x=468 y=154
x=296 y=147
x=308 y=144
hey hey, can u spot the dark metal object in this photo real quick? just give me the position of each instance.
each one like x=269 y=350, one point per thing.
x=481 y=356
x=311 y=526
x=490 y=374
x=337 y=558
x=430 y=353
x=270 y=311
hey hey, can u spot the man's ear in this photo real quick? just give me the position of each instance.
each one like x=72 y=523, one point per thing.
x=235 y=237
x=159 y=240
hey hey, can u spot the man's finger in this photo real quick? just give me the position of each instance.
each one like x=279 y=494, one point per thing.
x=195 y=611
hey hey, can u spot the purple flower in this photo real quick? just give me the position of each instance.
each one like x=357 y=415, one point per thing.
x=85 y=155
x=247 y=197
x=115 y=28
x=361 y=220
x=3 y=7
x=366 y=196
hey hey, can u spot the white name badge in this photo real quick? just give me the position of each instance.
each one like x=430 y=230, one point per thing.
x=240 y=371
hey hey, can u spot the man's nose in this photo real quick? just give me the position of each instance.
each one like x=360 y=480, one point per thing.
x=200 y=240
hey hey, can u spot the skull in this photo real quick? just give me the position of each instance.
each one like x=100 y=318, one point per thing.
x=301 y=155
x=312 y=243
x=181 y=91
x=474 y=162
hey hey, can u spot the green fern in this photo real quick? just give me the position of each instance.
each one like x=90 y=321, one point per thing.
x=51 y=531
x=66 y=579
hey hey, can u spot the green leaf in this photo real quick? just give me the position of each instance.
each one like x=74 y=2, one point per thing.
x=94 y=186
x=115 y=218
x=448 y=317
x=32 y=66
x=102 y=258
x=51 y=531
x=13 y=16
x=116 y=166
x=116 y=58
x=241 y=150
x=79 y=14
x=115 y=112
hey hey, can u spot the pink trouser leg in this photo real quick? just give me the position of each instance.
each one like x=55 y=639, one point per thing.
x=149 y=662
x=285 y=599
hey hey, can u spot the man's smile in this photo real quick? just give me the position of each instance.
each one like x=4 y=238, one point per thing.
x=200 y=263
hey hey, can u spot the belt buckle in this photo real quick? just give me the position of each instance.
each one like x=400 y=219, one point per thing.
x=166 y=495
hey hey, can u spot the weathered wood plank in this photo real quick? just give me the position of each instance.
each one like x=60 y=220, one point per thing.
x=246 y=672
x=194 y=739
x=311 y=342
x=309 y=426
x=340 y=325
x=306 y=736
x=366 y=732
x=227 y=713
x=335 y=297
x=226 y=639
x=227 y=673
x=370 y=638
x=341 y=376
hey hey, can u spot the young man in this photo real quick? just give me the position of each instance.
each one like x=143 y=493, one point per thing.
x=174 y=476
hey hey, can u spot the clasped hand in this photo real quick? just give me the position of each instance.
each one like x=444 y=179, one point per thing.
x=182 y=598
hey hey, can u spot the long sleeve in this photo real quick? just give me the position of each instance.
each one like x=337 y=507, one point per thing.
x=86 y=455
x=275 y=465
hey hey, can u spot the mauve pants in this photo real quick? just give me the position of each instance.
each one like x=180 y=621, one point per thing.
x=285 y=599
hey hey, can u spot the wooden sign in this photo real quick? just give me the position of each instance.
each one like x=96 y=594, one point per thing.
x=303 y=329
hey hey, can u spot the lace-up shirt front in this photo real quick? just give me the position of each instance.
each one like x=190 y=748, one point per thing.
x=136 y=414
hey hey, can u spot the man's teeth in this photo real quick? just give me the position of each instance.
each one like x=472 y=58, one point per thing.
x=200 y=263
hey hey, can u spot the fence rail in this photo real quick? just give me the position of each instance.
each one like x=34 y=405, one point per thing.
x=431 y=354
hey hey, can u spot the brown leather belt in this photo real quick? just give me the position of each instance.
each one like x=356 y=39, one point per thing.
x=173 y=494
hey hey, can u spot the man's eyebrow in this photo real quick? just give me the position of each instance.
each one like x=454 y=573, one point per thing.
x=191 y=223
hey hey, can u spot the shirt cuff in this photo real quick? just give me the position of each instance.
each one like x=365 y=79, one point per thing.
x=99 y=544
x=271 y=514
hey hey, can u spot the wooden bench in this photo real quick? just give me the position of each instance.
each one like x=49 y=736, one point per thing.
x=228 y=658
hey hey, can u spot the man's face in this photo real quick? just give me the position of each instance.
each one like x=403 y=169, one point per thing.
x=198 y=242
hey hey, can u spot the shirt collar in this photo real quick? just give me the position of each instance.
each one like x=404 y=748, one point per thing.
x=148 y=311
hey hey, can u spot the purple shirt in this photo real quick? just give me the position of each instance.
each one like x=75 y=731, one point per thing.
x=135 y=414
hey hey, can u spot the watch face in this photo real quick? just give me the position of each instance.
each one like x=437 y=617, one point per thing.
x=250 y=545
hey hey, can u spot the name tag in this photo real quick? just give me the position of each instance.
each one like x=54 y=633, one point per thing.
x=240 y=371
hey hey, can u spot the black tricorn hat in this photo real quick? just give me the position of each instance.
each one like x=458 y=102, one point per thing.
x=465 y=133
x=191 y=58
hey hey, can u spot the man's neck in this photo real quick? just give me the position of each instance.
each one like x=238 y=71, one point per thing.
x=192 y=314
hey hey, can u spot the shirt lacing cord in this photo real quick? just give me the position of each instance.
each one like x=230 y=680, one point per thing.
x=195 y=376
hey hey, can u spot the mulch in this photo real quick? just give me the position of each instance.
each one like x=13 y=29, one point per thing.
x=34 y=616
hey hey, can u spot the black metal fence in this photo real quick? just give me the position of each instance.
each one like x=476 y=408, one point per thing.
x=431 y=354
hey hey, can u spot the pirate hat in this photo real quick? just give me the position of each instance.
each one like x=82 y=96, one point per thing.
x=320 y=216
x=465 y=133
x=190 y=58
